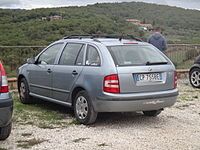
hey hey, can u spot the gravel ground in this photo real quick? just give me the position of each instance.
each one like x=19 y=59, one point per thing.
x=176 y=128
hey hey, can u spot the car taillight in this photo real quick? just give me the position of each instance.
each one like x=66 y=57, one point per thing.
x=175 y=79
x=3 y=80
x=111 y=84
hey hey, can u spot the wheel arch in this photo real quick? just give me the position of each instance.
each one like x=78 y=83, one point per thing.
x=194 y=66
x=19 y=79
x=75 y=92
x=194 y=81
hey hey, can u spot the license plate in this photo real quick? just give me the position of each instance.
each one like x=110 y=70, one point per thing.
x=149 y=77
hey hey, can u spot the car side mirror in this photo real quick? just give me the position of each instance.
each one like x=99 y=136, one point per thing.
x=31 y=60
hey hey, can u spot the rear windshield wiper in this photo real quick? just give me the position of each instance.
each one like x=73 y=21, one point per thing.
x=156 y=63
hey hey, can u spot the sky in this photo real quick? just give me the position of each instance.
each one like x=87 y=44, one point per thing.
x=31 y=4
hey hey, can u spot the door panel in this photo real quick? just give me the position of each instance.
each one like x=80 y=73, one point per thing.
x=40 y=79
x=40 y=73
x=64 y=78
x=67 y=71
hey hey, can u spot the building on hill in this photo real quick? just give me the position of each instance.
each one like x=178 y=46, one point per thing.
x=141 y=25
x=44 y=18
x=134 y=21
x=51 y=18
x=148 y=26
x=55 y=17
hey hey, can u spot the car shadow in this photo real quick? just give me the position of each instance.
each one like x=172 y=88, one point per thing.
x=124 y=119
x=127 y=119
x=54 y=107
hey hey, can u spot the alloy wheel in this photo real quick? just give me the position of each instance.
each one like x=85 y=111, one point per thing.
x=81 y=107
x=195 y=78
x=22 y=90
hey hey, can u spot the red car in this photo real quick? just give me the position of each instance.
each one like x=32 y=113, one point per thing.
x=6 y=106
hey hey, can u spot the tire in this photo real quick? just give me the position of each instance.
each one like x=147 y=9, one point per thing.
x=152 y=113
x=25 y=98
x=5 y=132
x=194 y=77
x=83 y=109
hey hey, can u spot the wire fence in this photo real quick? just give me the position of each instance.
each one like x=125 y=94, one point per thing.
x=182 y=55
x=14 y=56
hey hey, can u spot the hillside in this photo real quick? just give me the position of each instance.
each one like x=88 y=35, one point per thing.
x=26 y=27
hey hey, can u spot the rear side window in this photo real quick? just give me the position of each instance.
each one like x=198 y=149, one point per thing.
x=130 y=55
x=79 y=60
x=92 y=58
x=49 y=55
x=70 y=53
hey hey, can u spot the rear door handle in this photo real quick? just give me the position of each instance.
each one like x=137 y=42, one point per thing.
x=49 y=70
x=74 y=73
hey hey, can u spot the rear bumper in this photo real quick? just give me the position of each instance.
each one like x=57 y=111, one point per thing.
x=135 y=102
x=6 y=109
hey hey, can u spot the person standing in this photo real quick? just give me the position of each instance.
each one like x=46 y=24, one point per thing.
x=158 y=40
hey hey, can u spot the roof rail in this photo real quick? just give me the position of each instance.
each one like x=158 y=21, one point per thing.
x=78 y=36
x=134 y=38
x=94 y=36
x=120 y=37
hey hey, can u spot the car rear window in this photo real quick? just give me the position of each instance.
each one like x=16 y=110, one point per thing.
x=130 y=55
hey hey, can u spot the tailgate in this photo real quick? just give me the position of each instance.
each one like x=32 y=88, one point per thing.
x=135 y=79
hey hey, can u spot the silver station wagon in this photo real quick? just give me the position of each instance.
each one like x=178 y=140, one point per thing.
x=95 y=75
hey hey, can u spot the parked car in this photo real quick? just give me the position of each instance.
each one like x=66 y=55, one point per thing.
x=6 y=106
x=95 y=75
x=194 y=73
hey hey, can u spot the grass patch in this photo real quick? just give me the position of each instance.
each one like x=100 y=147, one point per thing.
x=74 y=122
x=3 y=148
x=80 y=140
x=26 y=134
x=45 y=125
x=102 y=144
x=187 y=93
x=185 y=96
x=29 y=143
x=196 y=97
x=44 y=115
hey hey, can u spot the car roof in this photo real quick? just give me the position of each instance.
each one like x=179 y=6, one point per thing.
x=105 y=41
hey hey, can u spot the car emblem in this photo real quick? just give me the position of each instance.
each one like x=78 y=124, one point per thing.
x=150 y=69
